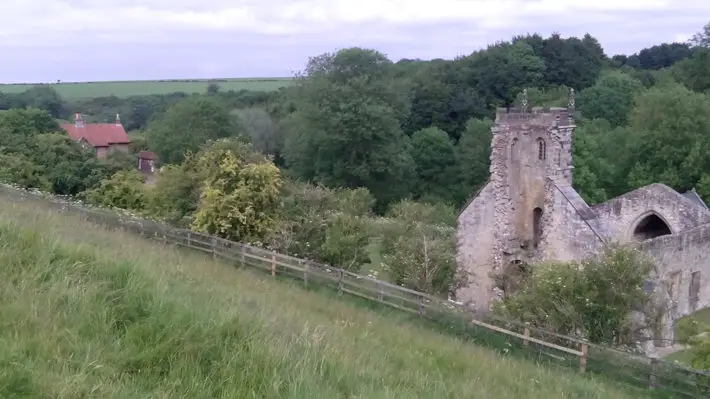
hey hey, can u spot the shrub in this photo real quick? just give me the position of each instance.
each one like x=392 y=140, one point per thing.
x=594 y=298
x=123 y=190
x=416 y=252
x=239 y=199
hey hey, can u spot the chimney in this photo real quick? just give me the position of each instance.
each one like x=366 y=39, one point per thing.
x=118 y=120
x=78 y=120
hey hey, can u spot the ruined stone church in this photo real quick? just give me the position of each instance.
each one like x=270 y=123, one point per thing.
x=528 y=212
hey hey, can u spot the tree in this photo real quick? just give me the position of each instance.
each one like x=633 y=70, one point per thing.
x=504 y=70
x=260 y=127
x=612 y=98
x=187 y=125
x=702 y=38
x=435 y=159
x=239 y=199
x=693 y=72
x=473 y=152
x=672 y=141
x=68 y=167
x=346 y=132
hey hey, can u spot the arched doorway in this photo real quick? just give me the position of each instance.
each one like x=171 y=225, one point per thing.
x=649 y=227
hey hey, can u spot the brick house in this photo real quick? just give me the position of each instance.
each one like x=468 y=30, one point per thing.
x=103 y=137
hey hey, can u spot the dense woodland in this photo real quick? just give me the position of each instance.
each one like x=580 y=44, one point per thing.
x=363 y=162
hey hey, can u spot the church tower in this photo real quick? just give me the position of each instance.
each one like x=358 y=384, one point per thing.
x=529 y=146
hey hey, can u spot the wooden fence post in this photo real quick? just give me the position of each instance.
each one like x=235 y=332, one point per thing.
x=214 y=248
x=583 y=358
x=421 y=306
x=526 y=333
x=273 y=264
x=305 y=272
x=188 y=238
x=652 y=379
x=244 y=256
x=340 y=282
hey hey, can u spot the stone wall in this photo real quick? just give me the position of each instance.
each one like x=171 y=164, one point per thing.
x=677 y=258
x=476 y=239
x=569 y=231
x=621 y=214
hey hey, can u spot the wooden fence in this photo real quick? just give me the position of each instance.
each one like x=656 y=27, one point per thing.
x=543 y=345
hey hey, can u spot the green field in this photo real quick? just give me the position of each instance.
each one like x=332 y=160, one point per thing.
x=87 y=312
x=81 y=90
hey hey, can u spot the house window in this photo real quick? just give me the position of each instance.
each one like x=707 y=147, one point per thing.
x=541 y=149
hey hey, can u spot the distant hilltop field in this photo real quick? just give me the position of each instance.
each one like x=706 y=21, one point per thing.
x=76 y=90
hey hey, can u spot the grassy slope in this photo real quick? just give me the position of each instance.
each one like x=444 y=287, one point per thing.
x=90 y=313
x=73 y=91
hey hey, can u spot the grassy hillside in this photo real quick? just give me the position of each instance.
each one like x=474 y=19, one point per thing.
x=86 y=312
x=73 y=91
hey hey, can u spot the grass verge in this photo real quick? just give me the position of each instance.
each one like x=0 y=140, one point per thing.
x=87 y=312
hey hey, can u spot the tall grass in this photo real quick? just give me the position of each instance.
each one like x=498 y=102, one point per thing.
x=85 y=312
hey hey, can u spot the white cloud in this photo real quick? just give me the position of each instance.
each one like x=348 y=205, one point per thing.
x=133 y=38
x=25 y=22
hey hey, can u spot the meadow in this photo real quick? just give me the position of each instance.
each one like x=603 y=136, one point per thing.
x=88 y=312
x=86 y=90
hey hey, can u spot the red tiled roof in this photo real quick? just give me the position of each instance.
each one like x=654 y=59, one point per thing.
x=149 y=155
x=98 y=134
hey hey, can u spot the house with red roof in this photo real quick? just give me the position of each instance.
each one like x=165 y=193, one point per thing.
x=103 y=137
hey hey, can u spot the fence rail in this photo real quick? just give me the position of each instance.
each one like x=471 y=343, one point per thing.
x=633 y=369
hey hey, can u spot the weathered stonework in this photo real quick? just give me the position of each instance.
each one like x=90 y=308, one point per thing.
x=528 y=213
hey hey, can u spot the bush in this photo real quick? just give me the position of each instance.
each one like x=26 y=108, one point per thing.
x=323 y=224
x=418 y=253
x=594 y=299
x=239 y=198
x=123 y=190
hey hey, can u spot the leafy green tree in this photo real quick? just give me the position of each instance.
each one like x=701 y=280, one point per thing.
x=187 y=125
x=693 y=72
x=435 y=159
x=239 y=199
x=702 y=38
x=346 y=132
x=261 y=129
x=44 y=97
x=66 y=165
x=504 y=70
x=612 y=98
x=473 y=152
x=672 y=141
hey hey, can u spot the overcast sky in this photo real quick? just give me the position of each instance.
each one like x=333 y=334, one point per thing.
x=79 y=40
